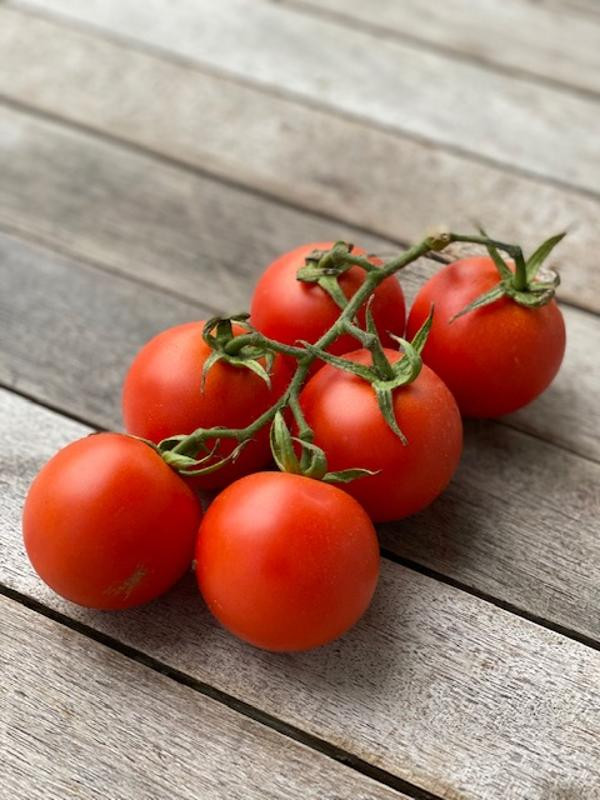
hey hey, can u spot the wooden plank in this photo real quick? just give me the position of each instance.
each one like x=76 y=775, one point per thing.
x=100 y=725
x=436 y=686
x=257 y=139
x=547 y=41
x=391 y=84
x=196 y=237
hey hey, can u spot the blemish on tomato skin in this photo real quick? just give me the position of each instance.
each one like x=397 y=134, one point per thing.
x=127 y=587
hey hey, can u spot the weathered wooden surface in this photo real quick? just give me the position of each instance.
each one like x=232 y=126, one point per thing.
x=546 y=41
x=104 y=726
x=156 y=156
x=259 y=140
x=437 y=687
x=526 y=125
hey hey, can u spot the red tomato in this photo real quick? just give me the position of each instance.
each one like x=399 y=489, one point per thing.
x=290 y=310
x=286 y=562
x=162 y=397
x=107 y=524
x=344 y=414
x=494 y=359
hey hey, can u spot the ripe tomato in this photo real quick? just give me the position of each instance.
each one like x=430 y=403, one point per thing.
x=494 y=359
x=286 y=562
x=290 y=310
x=343 y=412
x=162 y=396
x=107 y=524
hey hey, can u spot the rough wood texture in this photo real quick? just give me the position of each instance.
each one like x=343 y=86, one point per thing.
x=103 y=726
x=547 y=41
x=241 y=133
x=435 y=686
x=193 y=236
x=392 y=84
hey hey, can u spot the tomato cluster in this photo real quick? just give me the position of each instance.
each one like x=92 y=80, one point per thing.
x=363 y=431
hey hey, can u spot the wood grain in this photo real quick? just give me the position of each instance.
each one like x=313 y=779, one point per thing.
x=193 y=236
x=436 y=686
x=95 y=724
x=391 y=84
x=259 y=140
x=548 y=41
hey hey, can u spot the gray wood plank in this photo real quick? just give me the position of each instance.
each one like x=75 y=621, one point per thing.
x=390 y=83
x=257 y=139
x=548 y=41
x=99 y=725
x=434 y=685
x=201 y=239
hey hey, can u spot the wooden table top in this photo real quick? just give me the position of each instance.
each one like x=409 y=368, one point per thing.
x=154 y=157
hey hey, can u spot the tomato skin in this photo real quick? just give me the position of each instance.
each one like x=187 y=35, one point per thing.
x=162 y=397
x=107 y=524
x=495 y=359
x=343 y=412
x=290 y=311
x=285 y=562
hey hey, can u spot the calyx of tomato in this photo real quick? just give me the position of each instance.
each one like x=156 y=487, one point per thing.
x=324 y=268
x=197 y=453
x=384 y=376
x=219 y=336
x=528 y=285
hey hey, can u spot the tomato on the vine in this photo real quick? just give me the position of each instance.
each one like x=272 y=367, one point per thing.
x=343 y=411
x=286 y=562
x=163 y=396
x=107 y=524
x=497 y=358
x=290 y=310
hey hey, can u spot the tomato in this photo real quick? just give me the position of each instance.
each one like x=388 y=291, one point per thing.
x=286 y=562
x=343 y=412
x=107 y=524
x=290 y=310
x=162 y=397
x=494 y=359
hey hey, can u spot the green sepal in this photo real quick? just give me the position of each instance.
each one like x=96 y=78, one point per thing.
x=535 y=261
x=491 y=296
x=348 y=475
x=420 y=338
x=385 y=401
x=282 y=445
x=341 y=363
x=186 y=465
x=330 y=284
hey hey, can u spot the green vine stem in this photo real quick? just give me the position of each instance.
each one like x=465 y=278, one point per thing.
x=182 y=451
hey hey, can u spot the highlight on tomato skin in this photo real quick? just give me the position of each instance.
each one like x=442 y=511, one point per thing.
x=290 y=310
x=343 y=412
x=285 y=562
x=163 y=396
x=108 y=525
x=494 y=359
